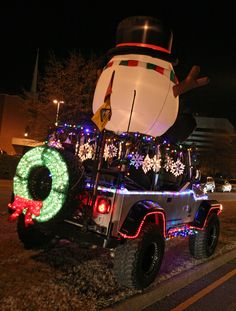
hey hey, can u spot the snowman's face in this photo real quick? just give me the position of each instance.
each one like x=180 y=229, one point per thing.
x=142 y=98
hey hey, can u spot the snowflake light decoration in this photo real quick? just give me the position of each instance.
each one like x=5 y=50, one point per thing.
x=110 y=151
x=147 y=164
x=168 y=164
x=86 y=151
x=136 y=160
x=177 y=168
x=156 y=163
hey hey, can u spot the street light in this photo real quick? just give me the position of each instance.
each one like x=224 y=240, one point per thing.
x=58 y=103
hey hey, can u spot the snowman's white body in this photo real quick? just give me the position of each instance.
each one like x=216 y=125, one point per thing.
x=142 y=99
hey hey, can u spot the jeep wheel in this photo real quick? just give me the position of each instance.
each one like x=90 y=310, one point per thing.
x=58 y=203
x=137 y=261
x=204 y=242
x=54 y=179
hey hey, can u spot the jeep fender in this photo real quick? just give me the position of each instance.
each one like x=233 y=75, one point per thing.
x=206 y=208
x=139 y=213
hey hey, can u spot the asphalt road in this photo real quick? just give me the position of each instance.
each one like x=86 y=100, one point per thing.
x=222 y=196
x=214 y=291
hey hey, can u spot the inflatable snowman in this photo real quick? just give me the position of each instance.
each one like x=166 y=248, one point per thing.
x=143 y=97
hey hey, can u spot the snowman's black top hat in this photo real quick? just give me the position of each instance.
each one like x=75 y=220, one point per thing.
x=143 y=35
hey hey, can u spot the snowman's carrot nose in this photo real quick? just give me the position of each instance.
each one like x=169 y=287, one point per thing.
x=190 y=82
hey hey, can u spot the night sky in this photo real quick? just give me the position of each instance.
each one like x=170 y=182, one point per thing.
x=204 y=35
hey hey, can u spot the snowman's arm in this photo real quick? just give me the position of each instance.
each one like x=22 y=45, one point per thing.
x=190 y=82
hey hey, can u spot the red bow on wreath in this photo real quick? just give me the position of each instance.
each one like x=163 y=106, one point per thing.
x=32 y=208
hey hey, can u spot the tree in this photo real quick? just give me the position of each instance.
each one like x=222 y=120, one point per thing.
x=71 y=80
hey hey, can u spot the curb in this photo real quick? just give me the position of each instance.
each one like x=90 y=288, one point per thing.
x=168 y=287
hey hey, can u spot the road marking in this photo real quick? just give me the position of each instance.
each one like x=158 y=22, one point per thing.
x=204 y=292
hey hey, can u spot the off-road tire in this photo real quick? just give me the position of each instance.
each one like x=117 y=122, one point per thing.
x=76 y=183
x=33 y=236
x=137 y=261
x=40 y=234
x=203 y=243
x=40 y=187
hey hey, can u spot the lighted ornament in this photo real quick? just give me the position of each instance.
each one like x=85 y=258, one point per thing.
x=86 y=151
x=177 y=168
x=30 y=207
x=110 y=151
x=168 y=164
x=140 y=79
x=156 y=163
x=147 y=164
x=50 y=158
x=136 y=160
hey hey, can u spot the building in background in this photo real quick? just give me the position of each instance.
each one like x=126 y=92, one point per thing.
x=214 y=140
x=211 y=133
x=14 y=128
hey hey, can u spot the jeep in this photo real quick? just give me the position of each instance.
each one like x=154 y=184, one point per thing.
x=128 y=193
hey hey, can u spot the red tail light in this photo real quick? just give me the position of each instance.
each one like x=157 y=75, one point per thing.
x=103 y=205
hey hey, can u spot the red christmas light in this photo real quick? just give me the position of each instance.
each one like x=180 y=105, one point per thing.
x=30 y=206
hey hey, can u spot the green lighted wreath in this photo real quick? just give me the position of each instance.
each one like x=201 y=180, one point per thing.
x=43 y=156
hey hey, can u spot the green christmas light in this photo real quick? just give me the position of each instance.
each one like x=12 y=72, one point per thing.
x=54 y=162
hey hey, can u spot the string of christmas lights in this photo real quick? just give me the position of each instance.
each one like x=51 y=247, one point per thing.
x=144 y=151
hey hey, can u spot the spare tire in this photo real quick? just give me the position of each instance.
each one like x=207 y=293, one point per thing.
x=51 y=176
